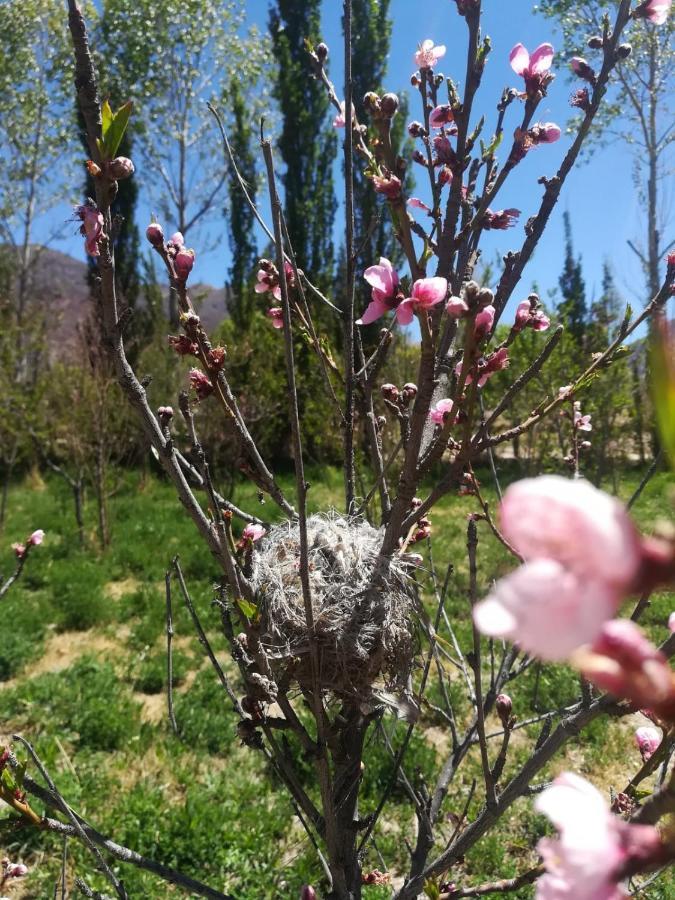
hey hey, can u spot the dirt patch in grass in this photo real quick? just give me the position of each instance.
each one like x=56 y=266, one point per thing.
x=61 y=651
x=117 y=589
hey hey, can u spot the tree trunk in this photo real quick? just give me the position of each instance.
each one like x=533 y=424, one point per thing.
x=79 y=517
x=347 y=782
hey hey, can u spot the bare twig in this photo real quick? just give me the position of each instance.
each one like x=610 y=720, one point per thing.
x=169 y=651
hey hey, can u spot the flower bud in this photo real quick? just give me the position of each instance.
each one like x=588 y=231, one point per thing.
x=155 y=234
x=307 y=893
x=322 y=52
x=410 y=388
x=390 y=392
x=381 y=422
x=504 y=706
x=371 y=101
x=485 y=298
x=36 y=538
x=183 y=263
x=165 y=414
x=389 y=105
x=623 y=51
x=416 y=130
x=595 y=42
x=92 y=168
x=120 y=168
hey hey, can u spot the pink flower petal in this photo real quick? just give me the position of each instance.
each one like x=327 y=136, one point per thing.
x=375 y=310
x=404 y=311
x=541 y=59
x=519 y=59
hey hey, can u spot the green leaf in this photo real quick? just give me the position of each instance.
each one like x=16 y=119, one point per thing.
x=662 y=370
x=113 y=135
x=250 y=610
x=106 y=117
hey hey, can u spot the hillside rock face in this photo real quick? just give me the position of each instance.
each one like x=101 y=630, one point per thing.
x=58 y=285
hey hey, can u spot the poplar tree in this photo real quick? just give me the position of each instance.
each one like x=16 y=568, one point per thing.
x=307 y=144
x=572 y=308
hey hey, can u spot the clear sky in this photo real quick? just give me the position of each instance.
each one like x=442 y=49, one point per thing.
x=599 y=195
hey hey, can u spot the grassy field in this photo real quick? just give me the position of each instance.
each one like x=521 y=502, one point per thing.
x=83 y=676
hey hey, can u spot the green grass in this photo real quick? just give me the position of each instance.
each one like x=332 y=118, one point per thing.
x=82 y=655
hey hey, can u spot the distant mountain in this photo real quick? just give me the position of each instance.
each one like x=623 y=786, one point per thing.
x=60 y=283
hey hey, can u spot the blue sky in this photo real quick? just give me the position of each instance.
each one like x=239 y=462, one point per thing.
x=599 y=195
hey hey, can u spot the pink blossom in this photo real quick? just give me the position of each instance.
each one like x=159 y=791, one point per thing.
x=485 y=367
x=383 y=279
x=36 y=537
x=19 y=550
x=581 y=422
x=91 y=228
x=428 y=55
x=456 y=308
x=528 y=316
x=622 y=661
x=441 y=115
x=183 y=262
x=249 y=536
x=200 y=383
x=594 y=847
x=441 y=412
x=276 y=314
x=14 y=870
x=444 y=155
x=340 y=121
x=416 y=203
x=671 y=622
x=307 y=893
x=426 y=293
x=546 y=609
x=534 y=68
x=176 y=241
x=501 y=220
x=388 y=185
x=648 y=740
x=575 y=524
x=484 y=322
x=654 y=10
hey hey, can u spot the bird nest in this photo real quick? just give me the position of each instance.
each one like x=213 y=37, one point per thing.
x=363 y=636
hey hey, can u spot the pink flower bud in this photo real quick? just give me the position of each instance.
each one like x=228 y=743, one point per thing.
x=120 y=168
x=390 y=392
x=165 y=414
x=504 y=707
x=19 y=550
x=387 y=184
x=671 y=622
x=648 y=740
x=484 y=322
x=441 y=115
x=36 y=537
x=182 y=344
x=155 y=234
x=307 y=893
x=456 y=307
x=183 y=263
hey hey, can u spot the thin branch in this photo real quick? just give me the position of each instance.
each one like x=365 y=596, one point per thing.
x=169 y=653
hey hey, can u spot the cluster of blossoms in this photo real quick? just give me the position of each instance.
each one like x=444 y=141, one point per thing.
x=91 y=228
x=529 y=315
x=34 y=540
x=181 y=257
x=268 y=282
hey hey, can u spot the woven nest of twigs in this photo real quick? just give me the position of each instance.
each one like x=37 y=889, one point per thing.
x=364 y=637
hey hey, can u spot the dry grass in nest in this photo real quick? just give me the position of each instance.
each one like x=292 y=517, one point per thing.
x=362 y=636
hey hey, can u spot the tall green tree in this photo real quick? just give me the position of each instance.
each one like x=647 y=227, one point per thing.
x=572 y=308
x=307 y=144
x=240 y=218
x=638 y=112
